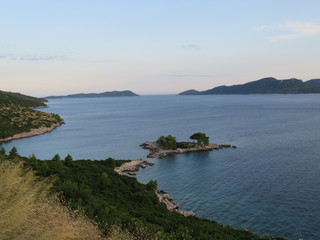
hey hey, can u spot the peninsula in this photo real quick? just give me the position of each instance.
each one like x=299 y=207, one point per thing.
x=19 y=119
x=168 y=145
x=125 y=93
x=264 y=86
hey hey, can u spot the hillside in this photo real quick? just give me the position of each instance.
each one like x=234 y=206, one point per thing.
x=93 y=95
x=109 y=198
x=21 y=100
x=17 y=116
x=29 y=211
x=264 y=86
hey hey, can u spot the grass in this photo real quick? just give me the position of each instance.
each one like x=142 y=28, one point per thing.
x=28 y=211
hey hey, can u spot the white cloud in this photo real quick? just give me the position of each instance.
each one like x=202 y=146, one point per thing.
x=301 y=28
x=283 y=37
x=32 y=57
x=291 y=30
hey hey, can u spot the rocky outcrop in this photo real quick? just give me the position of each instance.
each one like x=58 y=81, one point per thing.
x=33 y=132
x=133 y=166
x=171 y=206
x=155 y=151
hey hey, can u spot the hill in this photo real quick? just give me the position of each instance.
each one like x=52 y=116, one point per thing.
x=104 y=94
x=264 y=86
x=109 y=198
x=18 y=119
x=21 y=100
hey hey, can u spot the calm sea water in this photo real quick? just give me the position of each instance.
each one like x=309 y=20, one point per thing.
x=269 y=185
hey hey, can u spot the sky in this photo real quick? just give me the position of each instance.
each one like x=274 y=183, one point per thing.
x=154 y=47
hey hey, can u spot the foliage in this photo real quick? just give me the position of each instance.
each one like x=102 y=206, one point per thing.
x=2 y=151
x=114 y=200
x=21 y=100
x=13 y=152
x=28 y=211
x=152 y=185
x=168 y=142
x=16 y=119
x=201 y=138
x=56 y=158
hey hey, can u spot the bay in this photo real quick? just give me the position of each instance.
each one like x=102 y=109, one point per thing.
x=269 y=184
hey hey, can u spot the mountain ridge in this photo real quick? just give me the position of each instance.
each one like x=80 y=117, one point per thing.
x=125 y=93
x=267 y=85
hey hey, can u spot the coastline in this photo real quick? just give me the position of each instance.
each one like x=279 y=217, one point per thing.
x=133 y=166
x=33 y=132
x=155 y=152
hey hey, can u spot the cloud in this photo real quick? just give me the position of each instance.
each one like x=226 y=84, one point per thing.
x=42 y=58
x=191 y=76
x=283 y=37
x=32 y=57
x=291 y=30
x=192 y=46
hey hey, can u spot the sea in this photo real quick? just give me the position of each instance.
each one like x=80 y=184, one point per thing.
x=269 y=184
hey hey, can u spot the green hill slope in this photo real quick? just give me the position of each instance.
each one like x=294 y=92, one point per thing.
x=17 y=115
x=109 y=198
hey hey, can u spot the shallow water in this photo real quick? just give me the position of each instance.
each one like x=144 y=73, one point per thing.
x=269 y=184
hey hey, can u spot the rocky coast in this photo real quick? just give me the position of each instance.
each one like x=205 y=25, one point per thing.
x=155 y=151
x=33 y=132
x=133 y=166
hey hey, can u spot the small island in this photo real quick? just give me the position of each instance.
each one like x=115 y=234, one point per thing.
x=168 y=145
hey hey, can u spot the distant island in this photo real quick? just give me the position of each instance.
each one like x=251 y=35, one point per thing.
x=264 y=86
x=126 y=93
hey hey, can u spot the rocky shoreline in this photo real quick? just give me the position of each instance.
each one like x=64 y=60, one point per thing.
x=33 y=132
x=155 y=152
x=171 y=206
x=132 y=167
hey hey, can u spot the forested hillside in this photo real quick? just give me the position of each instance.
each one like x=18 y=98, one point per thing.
x=17 y=114
x=111 y=199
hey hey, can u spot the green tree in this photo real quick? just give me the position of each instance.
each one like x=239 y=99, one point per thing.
x=201 y=138
x=68 y=159
x=2 y=151
x=56 y=158
x=152 y=185
x=13 y=152
x=168 y=142
x=33 y=159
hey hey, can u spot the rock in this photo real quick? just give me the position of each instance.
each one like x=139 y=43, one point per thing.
x=226 y=145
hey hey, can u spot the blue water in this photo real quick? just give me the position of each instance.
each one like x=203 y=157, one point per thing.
x=269 y=185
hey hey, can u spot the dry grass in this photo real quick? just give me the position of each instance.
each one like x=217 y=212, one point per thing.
x=28 y=212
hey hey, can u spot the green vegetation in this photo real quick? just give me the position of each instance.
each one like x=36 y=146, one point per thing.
x=114 y=200
x=17 y=115
x=170 y=143
x=21 y=100
x=201 y=138
x=29 y=211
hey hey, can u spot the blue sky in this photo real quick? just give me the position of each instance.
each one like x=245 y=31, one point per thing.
x=154 y=47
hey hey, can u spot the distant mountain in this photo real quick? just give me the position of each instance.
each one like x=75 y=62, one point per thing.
x=264 y=86
x=21 y=100
x=104 y=94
